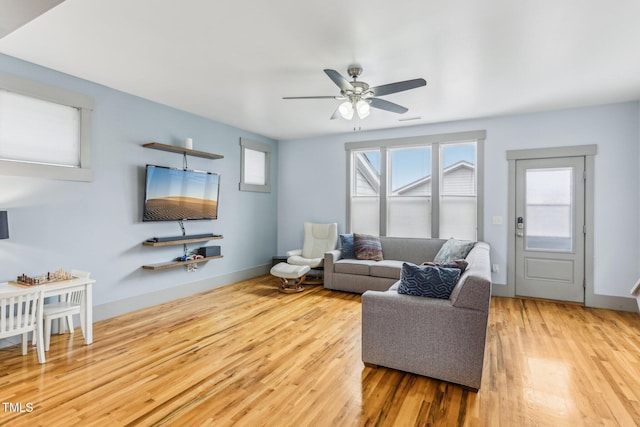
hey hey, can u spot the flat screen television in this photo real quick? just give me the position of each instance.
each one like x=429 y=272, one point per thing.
x=180 y=194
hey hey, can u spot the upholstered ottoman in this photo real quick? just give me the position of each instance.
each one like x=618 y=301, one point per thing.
x=291 y=276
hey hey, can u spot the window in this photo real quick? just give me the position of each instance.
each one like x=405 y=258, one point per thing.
x=44 y=131
x=458 y=191
x=409 y=194
x=365 y=194
x=417 y=187
x=255 y=159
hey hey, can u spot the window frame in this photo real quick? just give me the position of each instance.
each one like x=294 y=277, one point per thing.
x=44 y=92
x=435 y=141
x=256 y=146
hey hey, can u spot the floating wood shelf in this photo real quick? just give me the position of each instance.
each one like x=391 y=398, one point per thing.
x=182 y=150
x=171 y=264
x=181 y=241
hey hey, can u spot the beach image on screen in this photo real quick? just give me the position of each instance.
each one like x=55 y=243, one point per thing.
x=175 y=194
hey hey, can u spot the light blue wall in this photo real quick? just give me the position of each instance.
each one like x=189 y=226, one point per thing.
x=97 y=226
x=313 y=183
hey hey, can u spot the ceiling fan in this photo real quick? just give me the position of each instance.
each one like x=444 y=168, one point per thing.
x=359 y=97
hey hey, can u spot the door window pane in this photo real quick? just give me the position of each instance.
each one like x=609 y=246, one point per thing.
x=458 y=194
x=549 y=209
x=409 y=195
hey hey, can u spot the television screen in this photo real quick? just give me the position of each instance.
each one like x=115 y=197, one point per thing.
x=180 y=194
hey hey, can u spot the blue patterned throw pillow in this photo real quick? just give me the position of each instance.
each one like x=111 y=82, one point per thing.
x=346 y=243
x=428 y=281
x=453 y=249
x=367 y=247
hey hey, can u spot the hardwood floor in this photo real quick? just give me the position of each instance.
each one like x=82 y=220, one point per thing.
x=246 y=354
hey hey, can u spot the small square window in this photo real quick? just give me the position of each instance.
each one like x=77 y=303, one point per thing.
x=255 y=166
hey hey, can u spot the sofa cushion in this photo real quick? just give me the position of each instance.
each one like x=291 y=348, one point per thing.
x=390 y=269
x=346 y=243
x=460 y=264
x=367 y=247
x=428 y=281
x=353 y=266
x=453 y=249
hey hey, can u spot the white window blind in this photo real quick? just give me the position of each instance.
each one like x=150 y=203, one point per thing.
x=37 y=131
x=45 y=131
x=254 y=167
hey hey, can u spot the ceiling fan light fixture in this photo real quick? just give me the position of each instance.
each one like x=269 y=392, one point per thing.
x=363 y=108
x=346 y=110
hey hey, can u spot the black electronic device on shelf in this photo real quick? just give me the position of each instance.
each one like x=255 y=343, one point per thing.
x=174 y=238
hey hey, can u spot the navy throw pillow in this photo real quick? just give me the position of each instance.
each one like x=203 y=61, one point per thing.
x=346 y=242
x=428 y=281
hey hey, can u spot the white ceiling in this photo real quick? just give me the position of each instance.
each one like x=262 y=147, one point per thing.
x=233 y=61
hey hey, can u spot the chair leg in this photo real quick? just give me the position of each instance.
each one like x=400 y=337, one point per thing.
x=25 y=342
x=47 y=335
x=40 y=344
x=83 y=327
x=70 y=323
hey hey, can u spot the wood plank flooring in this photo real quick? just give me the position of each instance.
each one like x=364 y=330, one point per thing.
x=248 y=355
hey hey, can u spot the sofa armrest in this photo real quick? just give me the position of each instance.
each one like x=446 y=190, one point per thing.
x=295 y=252
x=330 y=258
x=473 y=290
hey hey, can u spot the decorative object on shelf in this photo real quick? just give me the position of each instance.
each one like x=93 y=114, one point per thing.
x=188 y=144
x=4 y=225
x=48 y=277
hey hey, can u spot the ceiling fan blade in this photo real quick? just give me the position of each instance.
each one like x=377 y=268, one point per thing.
x=311 y=97
x=339 y=80
x=386 y=105
x=336 y=114
x=397 y=87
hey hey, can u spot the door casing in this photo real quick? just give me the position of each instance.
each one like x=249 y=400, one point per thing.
x=589 y=152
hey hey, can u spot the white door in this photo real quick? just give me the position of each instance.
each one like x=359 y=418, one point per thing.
x=550 y=228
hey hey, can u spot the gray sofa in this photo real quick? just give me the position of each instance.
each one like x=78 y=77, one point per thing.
x=442 y=339
x=353 y=275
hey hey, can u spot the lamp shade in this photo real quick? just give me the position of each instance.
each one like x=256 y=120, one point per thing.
x=4 y=225
x=362 y=107
x=346 y=110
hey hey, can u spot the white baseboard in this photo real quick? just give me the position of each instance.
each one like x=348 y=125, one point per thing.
x=117 y=308
x=500 y=290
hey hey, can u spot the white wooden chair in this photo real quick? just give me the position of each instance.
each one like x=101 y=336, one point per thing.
x=68 y=305
x=21 y=312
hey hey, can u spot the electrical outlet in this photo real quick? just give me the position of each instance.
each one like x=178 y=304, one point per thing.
x=495 y=268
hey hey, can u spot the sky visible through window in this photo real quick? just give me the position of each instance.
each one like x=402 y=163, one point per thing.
x=415 y=163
